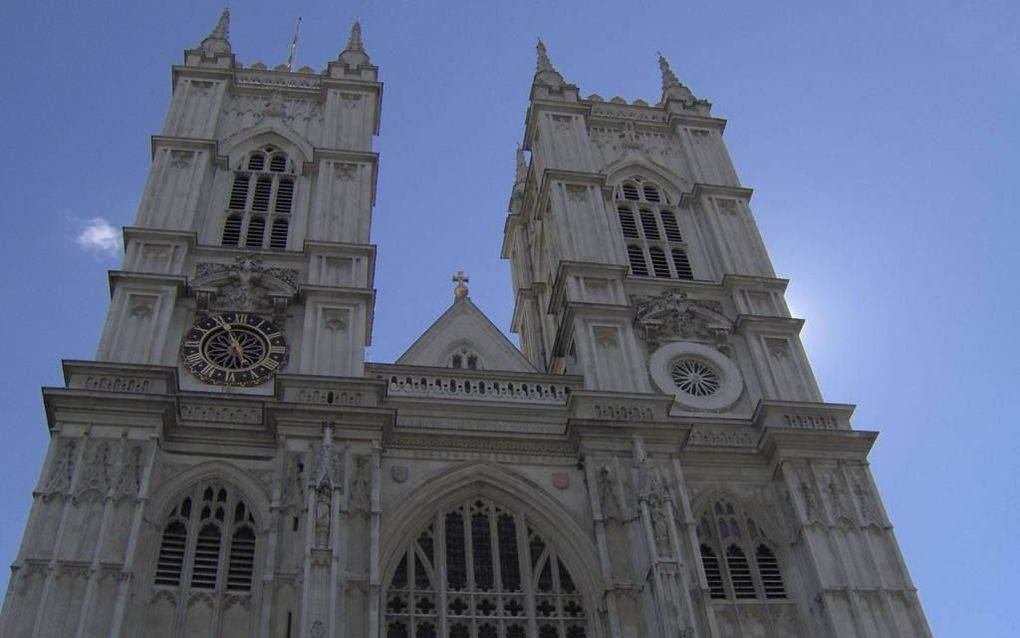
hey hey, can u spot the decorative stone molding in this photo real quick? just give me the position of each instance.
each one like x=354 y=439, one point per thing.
x=62 y=471
x=245 y=288
x=218 y=413
x=249 y=77
x=671 y=316
x=112 y=383
x=442 y=385
x=803 y=415
x=622 y=412
x=721 y=436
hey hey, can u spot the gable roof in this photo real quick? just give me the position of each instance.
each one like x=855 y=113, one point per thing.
x=464 y=325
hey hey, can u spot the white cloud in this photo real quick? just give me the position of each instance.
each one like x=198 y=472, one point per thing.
x=98 y=235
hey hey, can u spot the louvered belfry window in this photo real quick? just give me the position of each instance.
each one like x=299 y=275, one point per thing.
x=208 y=542
x=740 y=562
x=655 y=247
x=481 y=571
x=261 y=200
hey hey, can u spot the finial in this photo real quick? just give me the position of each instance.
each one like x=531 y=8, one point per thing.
x=354 y=41
x=460 y=291
x=354 y=54
x=545 y=72
x=218 y=41
x=522 y=166
x=543 y=63
x=671 y=84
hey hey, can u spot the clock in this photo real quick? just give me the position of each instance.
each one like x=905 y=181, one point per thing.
x=236 y=349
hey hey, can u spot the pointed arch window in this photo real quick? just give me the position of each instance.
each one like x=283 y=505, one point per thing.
x=208 y=543
x=260 y=202
x=655 y=246
x=738 y=559
x=479 y=570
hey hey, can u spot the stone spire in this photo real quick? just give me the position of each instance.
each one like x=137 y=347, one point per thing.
x=354 y=54
x=545 y=72
x=218 y=42
x=671 y=85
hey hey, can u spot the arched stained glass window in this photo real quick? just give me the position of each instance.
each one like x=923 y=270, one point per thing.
x=479 y=570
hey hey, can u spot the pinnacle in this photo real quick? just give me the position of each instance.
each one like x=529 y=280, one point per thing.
x=218 y=40
x=354 y=54
x=545 y=72
x=672 y=87
x=354 y=41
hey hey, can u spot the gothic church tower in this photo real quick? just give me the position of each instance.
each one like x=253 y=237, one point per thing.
x=656 y=461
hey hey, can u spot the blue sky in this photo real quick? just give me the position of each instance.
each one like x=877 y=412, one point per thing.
x=880 y=138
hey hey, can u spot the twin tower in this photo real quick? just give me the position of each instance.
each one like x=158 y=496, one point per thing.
x=656 y=461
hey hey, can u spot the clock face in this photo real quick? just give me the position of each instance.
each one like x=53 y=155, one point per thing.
x=234 y=349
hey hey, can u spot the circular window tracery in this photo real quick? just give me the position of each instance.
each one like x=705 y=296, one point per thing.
x=698 y=376
x=695 y=377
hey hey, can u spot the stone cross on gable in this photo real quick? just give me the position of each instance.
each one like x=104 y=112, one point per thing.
x=460 y=290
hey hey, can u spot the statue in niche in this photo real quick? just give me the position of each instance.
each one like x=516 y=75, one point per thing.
x=323 y=514
x=656 y=494
x=361 y=486
x=607 y=494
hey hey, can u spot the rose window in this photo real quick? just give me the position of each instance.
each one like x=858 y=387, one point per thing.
x=695 y=377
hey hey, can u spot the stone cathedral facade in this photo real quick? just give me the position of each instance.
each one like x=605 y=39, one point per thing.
x=655 y=461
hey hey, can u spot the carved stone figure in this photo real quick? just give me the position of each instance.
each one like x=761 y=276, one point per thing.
x=671 y=316
x=323 y=514
x=361 y=486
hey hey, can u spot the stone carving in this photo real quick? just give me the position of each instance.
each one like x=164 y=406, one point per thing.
x=718 y=437
x=116 y=384
x=671 y=316
x=254 y=108
x=727 y=205
x=834 y=495
x=95 y=475
x=577 y=193
x=318 y=629
x=130 y=477
x=244 y=291
x=323 y=514
x=653 y=490
x=778 y=348
x=181 y=159
x=608 y=498
x=444 y=385
x=331 y=397
x=810 y=422
x=863 y=497
x=201 y=88
x=361 y=486
x=399 y=473
x=220 y=413
x=63 y=468
x=291 y=491
x=345 y=172
x=622 y=412
x=349 y=100
x=286 y=275
x=807 y=496
x=328 y=467
x=561 y=480
x=274 y=106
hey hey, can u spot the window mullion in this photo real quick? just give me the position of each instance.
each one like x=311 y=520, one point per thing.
x=440 y=573
x=527 y=577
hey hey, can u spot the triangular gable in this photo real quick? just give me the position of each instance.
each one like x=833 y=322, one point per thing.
x=464 y=327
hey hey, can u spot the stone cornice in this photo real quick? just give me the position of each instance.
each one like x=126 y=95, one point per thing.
x=758 y=322
x=675 y=119
x=803 y=415
x=567 y=268
x=116 y=277
x=703 y=190
x=779 y=444
x=732 y=282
